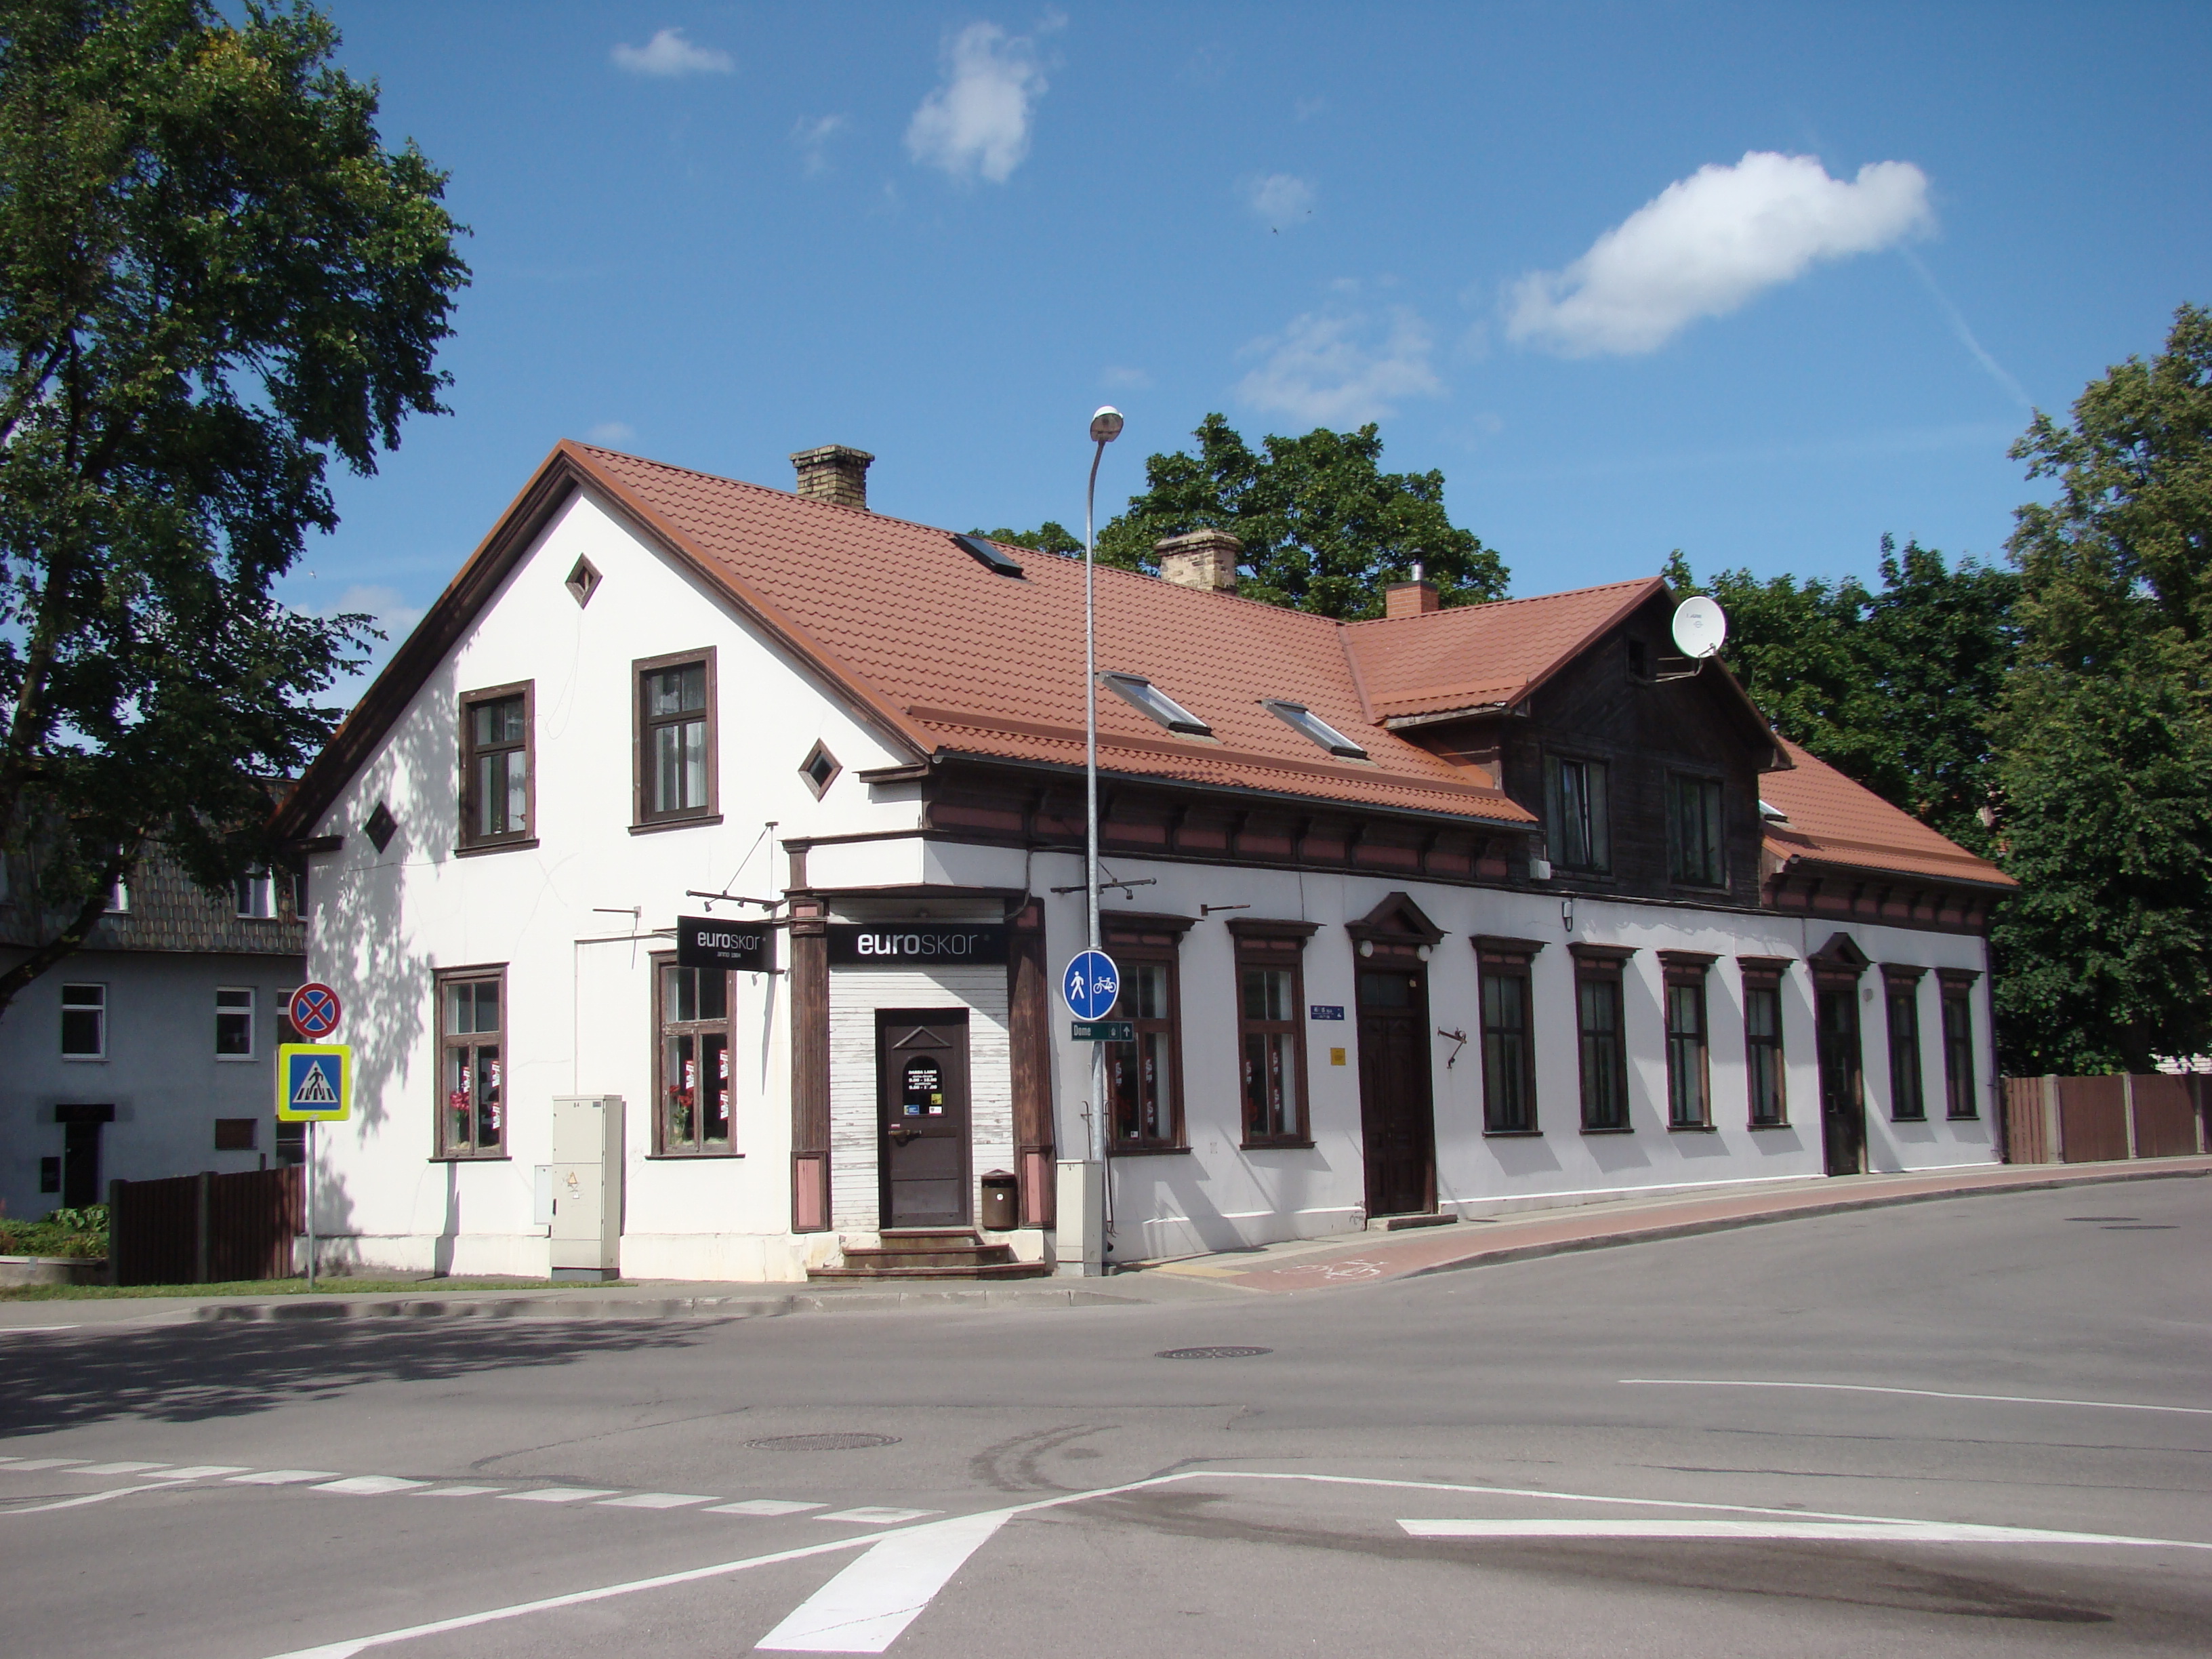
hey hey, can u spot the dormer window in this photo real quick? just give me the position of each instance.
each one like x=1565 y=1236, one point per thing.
x=1141 y=694
x=1304 y=721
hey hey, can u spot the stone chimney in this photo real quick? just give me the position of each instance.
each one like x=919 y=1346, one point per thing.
x=834 y=473
x=1201 y=558
x=1415 y=597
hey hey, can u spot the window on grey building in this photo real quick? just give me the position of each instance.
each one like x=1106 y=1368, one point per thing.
x=233 y=1022
x=1907 y=1102
x=256 y=895
x=1602 y=1040
x=84 y=1022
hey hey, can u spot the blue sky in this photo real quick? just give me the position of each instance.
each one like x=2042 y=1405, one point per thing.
x=1761 y=282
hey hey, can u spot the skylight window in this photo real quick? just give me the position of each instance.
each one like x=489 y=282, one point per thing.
x=1303 y=719
x=1773 y=813
x=1141 y=694
x=990 y=554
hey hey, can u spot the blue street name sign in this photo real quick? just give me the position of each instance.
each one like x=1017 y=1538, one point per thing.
x=1326 y=1011
x=1091 y=984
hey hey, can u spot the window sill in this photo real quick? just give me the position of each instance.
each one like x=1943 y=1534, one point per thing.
x=478 y=849
x=1148 y=1151
x=1962 y=1117
x=1917 y=1117
x=1625 y=1130
x=656 y=825
x=1693 y=1129
x=1512 y=1134
x=691 y=1157
x=472 y=1158
x=85 y=1060
x=236 y=1060
x=1274 y=1146
x=1781 y=1124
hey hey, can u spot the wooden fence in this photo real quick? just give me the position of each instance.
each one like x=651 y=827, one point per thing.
x=2096 y=1120
x=202 y=1228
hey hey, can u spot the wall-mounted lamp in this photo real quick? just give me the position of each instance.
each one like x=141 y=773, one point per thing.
x=1367 y=947
x=1567 y=915
x=1425 y=952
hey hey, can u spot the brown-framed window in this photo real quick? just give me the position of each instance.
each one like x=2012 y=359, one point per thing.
x=499 y=770
x=1694 y=830
x=1602 y=1037
x=1506 y=991
x=676 y=770
x=1271 y=1030
x=1689 y=1079
x=1144 y=1079
x=1766 y=1081
x=472 y=1062
x=1961 y=1094
x=693 y=1062
x=1901 y=988
x=1576 y=826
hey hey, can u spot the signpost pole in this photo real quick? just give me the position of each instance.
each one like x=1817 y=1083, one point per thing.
x=311 y=1205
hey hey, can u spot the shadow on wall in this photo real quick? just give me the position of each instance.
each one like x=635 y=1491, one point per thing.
x=190 y=1374
x=360 y=923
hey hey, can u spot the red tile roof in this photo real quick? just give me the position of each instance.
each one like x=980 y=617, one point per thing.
x=1833 y=820
x=976 y=663
x=1477 y=656
x=946 y=656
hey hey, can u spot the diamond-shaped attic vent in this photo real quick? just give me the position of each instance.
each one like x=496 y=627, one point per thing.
x=381 y=826
x=820 y=769
x=583 y=582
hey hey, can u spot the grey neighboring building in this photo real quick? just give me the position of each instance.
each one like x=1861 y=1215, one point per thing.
x=150 y=1051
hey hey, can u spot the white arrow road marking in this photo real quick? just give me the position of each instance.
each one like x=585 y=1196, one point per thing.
x=867 y=1607
x=1922 y=1394
x=1911 y=1532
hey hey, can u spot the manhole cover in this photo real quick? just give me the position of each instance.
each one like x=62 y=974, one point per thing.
x=823 y=1442
x=1210 y=1353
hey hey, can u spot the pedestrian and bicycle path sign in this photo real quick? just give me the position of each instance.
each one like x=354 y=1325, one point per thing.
x=314 y=1082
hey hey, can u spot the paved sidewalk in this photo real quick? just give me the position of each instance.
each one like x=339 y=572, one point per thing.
x=1366 y=1258
x=1305 y=1265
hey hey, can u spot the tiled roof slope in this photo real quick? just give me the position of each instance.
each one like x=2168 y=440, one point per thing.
x=1474 y=656
x=979 y=663
x=1834 y=820
x=168 y=913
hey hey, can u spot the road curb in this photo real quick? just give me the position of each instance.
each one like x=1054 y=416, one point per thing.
x=657 y=1308
x=1660 y=1231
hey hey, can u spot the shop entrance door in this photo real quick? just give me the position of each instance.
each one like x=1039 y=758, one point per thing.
x=922 y=1091
x=1843 y=1095
x=1397 y=1116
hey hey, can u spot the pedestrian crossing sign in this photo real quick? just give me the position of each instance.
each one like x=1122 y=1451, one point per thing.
x=314 y=1082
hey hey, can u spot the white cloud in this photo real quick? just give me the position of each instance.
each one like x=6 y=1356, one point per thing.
x=1706 y=244
x=1342 y=369
x=812 y=135
x=1281 y=198
x=611 y=432
x=387 y=604
x=668 y=53
x=978 y=121
x=1127 y=380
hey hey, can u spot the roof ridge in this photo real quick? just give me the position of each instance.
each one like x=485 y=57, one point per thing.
x=1493 y=605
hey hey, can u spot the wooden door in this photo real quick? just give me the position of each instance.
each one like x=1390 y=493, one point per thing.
x=1397 y=1119
x=80 y=1165
x=922 y=1164
x=1842 y=1094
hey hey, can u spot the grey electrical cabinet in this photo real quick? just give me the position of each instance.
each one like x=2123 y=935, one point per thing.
x=587 y=1186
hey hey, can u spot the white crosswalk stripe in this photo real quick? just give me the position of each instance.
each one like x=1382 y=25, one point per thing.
x=282 y=1477
x=559 y=1494
x=655 y=1500
x=370 y=1486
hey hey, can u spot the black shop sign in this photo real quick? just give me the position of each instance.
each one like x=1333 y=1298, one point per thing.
x=703 y=942
x=917 y=943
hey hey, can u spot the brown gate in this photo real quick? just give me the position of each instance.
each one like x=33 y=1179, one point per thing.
x=2166 y=1116
x=202 y=1228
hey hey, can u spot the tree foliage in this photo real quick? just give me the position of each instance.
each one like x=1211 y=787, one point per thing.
x=1051 y=536
x=2106 y=725
x=1896 y=686
x=1324 y=528
x=213 y=279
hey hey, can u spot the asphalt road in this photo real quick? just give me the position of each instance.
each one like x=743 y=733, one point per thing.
x=1996 y=1437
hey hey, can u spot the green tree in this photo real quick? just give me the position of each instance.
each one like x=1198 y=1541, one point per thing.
x=1897 y=686
x=213 y=280
x=1051 y=536
x=2106 y=725
x=1324 y=527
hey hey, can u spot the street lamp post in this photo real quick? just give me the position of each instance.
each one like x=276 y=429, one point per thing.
x=1105 y=427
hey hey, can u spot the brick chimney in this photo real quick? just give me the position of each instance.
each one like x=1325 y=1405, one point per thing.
x=1201 y=558
x=834 y=473
x=1415 y=597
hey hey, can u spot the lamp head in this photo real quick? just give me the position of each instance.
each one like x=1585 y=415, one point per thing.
x=1106 y=425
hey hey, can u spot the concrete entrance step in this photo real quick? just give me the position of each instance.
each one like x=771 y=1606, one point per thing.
x=931 y=1252
x=1398 y=1224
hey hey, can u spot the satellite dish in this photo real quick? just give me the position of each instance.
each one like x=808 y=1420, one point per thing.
x=1700 y=625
